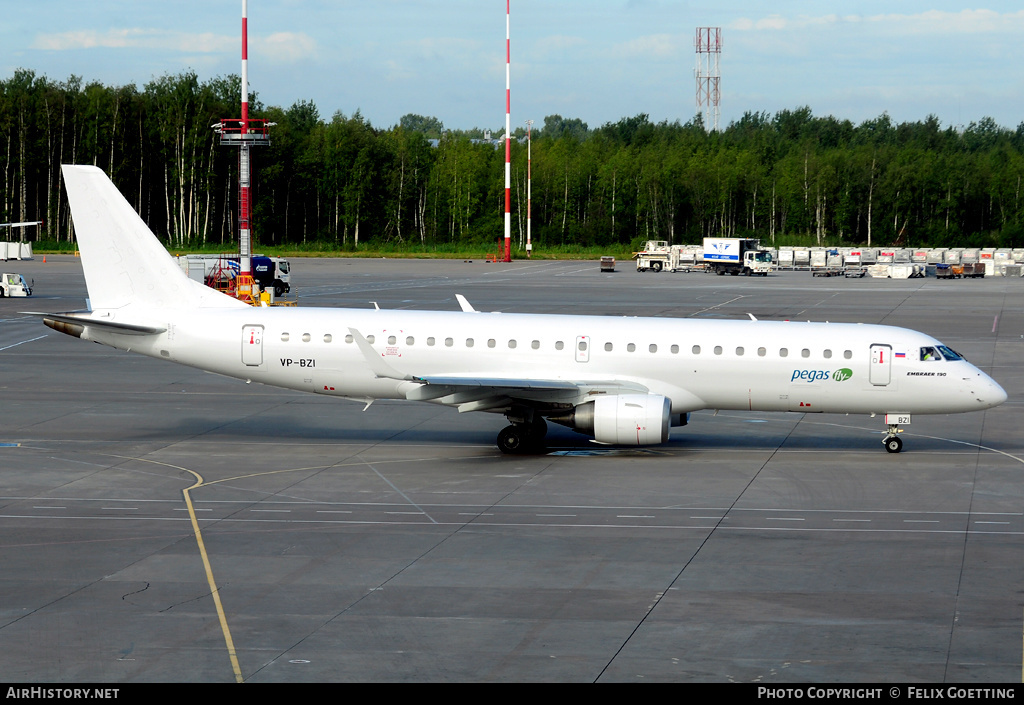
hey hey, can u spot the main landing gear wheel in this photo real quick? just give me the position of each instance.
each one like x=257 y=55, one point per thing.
x=893 y=444
x=521 y=438
x=511 y=440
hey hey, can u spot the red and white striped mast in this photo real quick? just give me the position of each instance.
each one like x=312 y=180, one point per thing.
x=244 y=194
x=529 y=168
x=244 y=133
x=508 y=141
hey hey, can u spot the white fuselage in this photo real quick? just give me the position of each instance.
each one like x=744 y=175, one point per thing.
x=749 y=365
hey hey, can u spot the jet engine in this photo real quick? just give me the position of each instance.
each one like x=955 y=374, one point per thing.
x=622 y=419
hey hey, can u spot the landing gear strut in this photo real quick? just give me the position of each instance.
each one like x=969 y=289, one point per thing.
x=522 y=438
x=892 y=442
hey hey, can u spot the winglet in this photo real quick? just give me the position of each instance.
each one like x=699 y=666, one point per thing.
x=464 y=303
x=374 y=360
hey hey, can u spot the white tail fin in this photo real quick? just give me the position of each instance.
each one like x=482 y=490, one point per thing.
x=124 y=263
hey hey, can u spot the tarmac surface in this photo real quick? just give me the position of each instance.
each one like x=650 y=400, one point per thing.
x=398 y=544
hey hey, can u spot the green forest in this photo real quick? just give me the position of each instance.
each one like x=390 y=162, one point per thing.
x=341 y=184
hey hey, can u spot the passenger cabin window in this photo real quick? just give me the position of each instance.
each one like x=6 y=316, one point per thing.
x=674 y=349
x=607 y=347
x=306 y=337
x=535 y=345
x=370 y=339
x=631 y=347
x=827 y=354
x=392 y=340
x=491 y=343
x=430 y=341
x=284 y=337
x=349 y=338
x=469 y=342
x=328 y=337
x=761 y=352
x=696 y=350
x=805 y=353
x=448 y=342
x=848 y=354
x=718 y=350
x=652 y=348
x=410 y=340
x=783 y=352
x=739 y=352
x=512 y=345
x=559 y=345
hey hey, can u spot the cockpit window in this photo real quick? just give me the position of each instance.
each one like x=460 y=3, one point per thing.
x=929 y=354
x=950 y=354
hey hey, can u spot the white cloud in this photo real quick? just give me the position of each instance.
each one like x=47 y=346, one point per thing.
x=286 y=47
x=555 y=44
x=930 y=22
x=659 y=46
x=282 y=46
x=134 y=38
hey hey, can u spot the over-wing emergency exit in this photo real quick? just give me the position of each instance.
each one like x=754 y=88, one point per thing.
x=621 y=380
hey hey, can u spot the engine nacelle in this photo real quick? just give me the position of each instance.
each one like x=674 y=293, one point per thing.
x=623 y=419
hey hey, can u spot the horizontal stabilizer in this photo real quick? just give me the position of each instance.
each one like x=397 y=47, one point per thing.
x=84 y=319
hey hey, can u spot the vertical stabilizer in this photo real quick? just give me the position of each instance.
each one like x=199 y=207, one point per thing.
x=124 y=262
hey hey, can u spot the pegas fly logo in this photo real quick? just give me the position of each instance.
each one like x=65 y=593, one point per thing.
x=840 y=375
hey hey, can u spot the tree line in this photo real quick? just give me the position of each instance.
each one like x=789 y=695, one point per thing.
x=788 y=178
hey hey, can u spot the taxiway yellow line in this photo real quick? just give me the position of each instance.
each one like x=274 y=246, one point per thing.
x=214 y=590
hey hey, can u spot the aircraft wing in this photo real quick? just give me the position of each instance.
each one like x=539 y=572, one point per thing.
x=474 y=393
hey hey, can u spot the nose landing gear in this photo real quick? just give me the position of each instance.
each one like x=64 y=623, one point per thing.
x=892 y=442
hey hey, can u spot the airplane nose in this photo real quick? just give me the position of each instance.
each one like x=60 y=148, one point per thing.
x=995 y=395
x=988 y=392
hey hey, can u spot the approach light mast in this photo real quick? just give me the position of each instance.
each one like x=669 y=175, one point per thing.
x=244 y=133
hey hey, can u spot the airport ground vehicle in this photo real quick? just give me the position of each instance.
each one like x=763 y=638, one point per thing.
x=658 y=255
x=655 y=256
x=14 y=285
x=271 y=273
x=736 y=255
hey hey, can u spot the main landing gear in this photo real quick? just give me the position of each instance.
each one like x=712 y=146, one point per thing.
x=523 y=437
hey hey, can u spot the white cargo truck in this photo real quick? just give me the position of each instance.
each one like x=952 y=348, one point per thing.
x=736 y=255
x=14 y=285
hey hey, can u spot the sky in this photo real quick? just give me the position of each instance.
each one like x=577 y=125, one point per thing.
x=596 y=60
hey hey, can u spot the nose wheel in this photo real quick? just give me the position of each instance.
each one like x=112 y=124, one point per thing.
x=892 y=442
